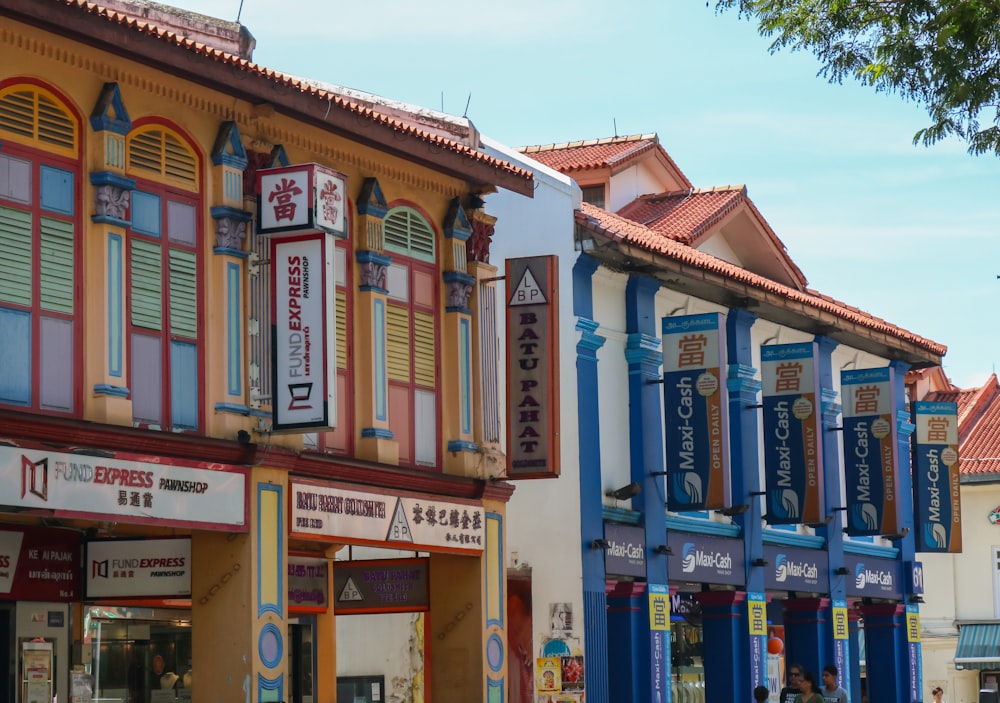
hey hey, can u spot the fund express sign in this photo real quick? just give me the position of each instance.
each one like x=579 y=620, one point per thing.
x=793 y=456
x=695 y=401
x=870 y=451
x=935 y=472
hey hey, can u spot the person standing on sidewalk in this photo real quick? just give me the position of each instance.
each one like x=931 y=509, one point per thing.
x=832 y=693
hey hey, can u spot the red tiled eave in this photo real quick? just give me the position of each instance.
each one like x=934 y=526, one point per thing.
x=617 y=228
x=261 y=84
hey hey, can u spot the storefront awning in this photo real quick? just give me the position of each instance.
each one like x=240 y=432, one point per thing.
x=978 y=646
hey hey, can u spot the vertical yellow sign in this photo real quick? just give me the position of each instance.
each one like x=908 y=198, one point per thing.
x=840 y=628
x=757 y=610
x=659 y=608
x=913 y=627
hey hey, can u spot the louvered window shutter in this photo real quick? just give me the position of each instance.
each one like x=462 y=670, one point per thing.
x=183 y=294
x=16 y=264
x=57 y=266
x=397 y=339
x=147 y=284
x=423 y=349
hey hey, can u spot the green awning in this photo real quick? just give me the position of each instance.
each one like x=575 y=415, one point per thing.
x=978 y=646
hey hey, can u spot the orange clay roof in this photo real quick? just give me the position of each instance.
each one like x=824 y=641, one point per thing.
x=325 y=100
x=617 y=227
x=978 y=426
x=612 y=152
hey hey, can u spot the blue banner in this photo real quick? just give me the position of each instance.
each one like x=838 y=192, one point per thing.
x=796 y=569
x=841 y=635
x=870 y=473
x=659 y=643
x=695 y=412
x=937 y=504
x=874 y=577
x=793 y=446
x=703 y=559
x=757 y=626
x=916 y=674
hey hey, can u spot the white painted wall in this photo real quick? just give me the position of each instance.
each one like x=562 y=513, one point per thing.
x=543 y=516
x=638 y=179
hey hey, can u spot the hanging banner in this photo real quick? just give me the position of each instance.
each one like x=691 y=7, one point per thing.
x=870 y=474
x=300 y=199
x=532 y=367
x=757 y=625
x=659 y=642
x=695 y=399
x=793 y=437
x=937 y=504
x=303 y=334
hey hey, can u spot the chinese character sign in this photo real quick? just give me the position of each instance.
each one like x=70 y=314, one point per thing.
x=793 y=438
x=936 y=501
x=870 y=457
x=306 y=198
x=696 y=407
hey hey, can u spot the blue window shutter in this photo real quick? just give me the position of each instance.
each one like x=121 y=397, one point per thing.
x=15 y=357
x=56 y=285
x=15 y=264
x=146 y=213
x=56 y=367
x=184 y=385
x=57 y=190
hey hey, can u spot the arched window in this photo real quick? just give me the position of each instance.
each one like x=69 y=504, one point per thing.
x=164 y=260
x=411 y=336
x=40 y=229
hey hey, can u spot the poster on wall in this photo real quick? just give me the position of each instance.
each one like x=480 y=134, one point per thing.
x=937 y=502
x=793 y=434
x=869 y=436
x=697 y=409
x=548 y=674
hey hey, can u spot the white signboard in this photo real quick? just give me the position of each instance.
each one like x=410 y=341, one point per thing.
x=404 y=521
x=141 y=568
x=302 y=198
x=305 y=333
x=73 y=485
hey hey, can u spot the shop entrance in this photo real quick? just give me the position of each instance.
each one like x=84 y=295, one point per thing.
x=301 y=664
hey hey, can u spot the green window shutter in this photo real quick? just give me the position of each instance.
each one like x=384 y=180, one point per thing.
x=57 y=265
x=147 y=284
x=397 y=342
x=15 y=264
x=406 y=232
x=341 y=304
x=423 y=349
x=183 y=294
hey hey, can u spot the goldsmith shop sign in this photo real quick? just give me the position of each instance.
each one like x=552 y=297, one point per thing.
x=532 y=367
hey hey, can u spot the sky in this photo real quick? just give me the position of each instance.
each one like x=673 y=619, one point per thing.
x=908 y=233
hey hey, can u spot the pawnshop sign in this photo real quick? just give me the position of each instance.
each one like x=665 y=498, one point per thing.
x=937 y=502
x=138 y=568
x=304 y=333
x=301 y=198
x=870 y=451
x=694 y=393
x=532 y=367
x=793 y=455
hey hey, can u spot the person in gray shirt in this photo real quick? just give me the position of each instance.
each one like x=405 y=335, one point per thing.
x=832 y=693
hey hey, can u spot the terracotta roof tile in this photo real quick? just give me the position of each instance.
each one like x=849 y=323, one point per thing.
x=620 y=228
x=329 y=99
x=685 y=215
x=610 y=152
x=978 y=426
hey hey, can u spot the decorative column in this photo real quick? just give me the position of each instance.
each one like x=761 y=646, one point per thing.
x=462 y=456
x=806 y=629
x=885 y=642
x=628 y=627
x=855 y=636
x=226 y=359
x=371 y=400
x=109 y=401
x=595 y=616
x=725 y=627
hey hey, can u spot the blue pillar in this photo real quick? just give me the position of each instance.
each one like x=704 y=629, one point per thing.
x=807 y=627
x=645 y=362
x=595 y=619
x=724 y=630
x=885 y=642
x=628 y=626
x=912 y=656
x=854 y=692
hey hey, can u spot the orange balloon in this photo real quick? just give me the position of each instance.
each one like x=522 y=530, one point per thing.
x=775 y=645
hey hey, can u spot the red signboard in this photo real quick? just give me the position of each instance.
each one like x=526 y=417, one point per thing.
x=40 y=564
x=532 y=367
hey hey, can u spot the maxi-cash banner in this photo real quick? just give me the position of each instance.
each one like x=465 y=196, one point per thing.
x=694 y=395
x=870 y=474
x=793 y=437
x=937 y=505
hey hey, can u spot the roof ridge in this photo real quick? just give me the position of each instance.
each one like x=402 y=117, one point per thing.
x=533 y=149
